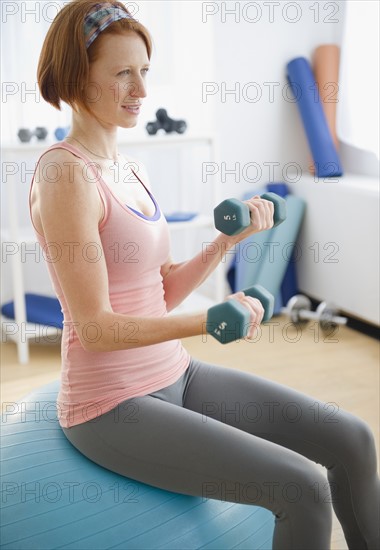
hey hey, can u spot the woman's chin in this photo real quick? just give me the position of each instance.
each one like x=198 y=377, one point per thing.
x=128 y=123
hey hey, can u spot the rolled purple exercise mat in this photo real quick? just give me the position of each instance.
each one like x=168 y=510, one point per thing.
x=304 y=87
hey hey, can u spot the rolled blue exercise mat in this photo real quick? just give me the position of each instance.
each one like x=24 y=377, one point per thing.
x=304 y=87
x=289 y=285
x=275 y=262
x=43 y=310
x=236 y=274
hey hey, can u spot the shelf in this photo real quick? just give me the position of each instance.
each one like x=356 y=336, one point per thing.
x=163 y=139
x=353 y=182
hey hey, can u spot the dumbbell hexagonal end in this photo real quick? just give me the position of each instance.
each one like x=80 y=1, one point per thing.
x=24 y=135
x=228 y=321
x=231 y=217
x=265 y=297
x=60 y=133
x=279 y=207
x=41 y=132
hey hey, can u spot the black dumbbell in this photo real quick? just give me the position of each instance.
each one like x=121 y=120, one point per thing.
x=164 y=122
x=25 y=135
x=232 y=216
x=230 y=320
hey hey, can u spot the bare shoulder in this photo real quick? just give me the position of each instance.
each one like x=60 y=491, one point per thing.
x=63 y=178
x=66 y=169
x=60 y=161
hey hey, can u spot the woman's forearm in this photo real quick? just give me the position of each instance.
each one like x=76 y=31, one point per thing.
x=183 y=278
x=112 y=331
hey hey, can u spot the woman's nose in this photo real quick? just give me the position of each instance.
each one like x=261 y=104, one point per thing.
x=138 y=89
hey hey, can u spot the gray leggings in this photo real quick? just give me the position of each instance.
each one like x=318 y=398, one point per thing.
x=230 y=435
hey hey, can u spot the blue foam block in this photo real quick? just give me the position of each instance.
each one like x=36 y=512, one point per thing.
x=53 y=497
x=180 y=216
x=43 y=310
x=304 y=87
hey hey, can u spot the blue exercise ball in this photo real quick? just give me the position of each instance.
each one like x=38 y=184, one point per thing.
x=54 y=497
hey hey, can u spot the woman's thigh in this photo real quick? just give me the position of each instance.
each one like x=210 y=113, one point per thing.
x=172 y=447
x=319 y=431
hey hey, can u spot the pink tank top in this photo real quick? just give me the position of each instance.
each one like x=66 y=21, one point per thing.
x=135 y=246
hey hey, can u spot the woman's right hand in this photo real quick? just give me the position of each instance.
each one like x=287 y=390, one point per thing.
x=255 y=309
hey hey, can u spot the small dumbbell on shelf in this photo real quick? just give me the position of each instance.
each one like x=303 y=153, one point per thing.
x=61 y=133
x=164 y=122
x=230 y=320
x=25 y=135
x=298 y=309
x=232 y=216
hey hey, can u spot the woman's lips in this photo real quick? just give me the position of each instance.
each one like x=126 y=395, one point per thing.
x=135 y=110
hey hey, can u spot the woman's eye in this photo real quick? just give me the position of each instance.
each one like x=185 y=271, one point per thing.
x=127 y=71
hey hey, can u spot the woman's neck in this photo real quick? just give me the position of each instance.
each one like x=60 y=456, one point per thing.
x=95 y=139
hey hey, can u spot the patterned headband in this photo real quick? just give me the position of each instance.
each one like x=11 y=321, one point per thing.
x=99 y=18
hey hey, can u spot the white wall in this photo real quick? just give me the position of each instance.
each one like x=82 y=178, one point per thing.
x=269 y=130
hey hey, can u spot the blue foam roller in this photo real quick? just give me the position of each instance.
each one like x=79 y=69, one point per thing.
x=305 y=90
x=53 y=497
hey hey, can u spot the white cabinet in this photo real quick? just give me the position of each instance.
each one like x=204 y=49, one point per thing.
x=339 y=245
x=18 y=231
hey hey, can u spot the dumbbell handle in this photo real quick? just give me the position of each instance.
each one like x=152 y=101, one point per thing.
x=229 y=320
x=232 y=216
x=314 y=316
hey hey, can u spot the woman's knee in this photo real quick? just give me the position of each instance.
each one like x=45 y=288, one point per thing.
x=356 y=440
x=305 y=493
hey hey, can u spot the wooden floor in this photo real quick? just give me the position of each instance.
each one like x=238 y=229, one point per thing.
x=342 y=368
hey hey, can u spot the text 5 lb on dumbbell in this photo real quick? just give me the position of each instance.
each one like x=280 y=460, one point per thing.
x=230 y=321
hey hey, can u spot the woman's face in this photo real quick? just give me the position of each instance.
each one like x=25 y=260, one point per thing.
x=117 y=79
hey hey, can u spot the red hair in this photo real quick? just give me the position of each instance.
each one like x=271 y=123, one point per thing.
x=64 y=63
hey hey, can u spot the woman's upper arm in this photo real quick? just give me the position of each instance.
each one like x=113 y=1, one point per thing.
x=69 y=212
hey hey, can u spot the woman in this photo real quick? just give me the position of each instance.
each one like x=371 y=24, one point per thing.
x=148 y=410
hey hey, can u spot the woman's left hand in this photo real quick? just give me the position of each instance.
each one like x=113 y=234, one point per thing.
x=261 y=212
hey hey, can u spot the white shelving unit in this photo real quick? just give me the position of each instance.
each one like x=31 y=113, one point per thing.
x=18 y=330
